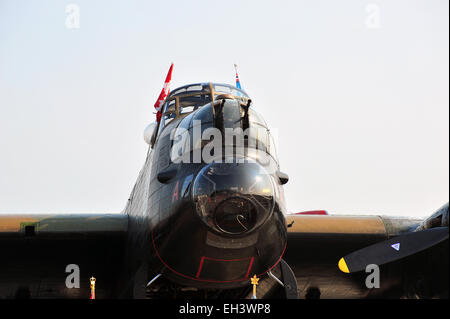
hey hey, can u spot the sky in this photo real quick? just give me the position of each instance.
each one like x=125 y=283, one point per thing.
x=357 y=91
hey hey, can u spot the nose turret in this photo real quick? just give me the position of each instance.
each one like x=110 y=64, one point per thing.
x=233 y=198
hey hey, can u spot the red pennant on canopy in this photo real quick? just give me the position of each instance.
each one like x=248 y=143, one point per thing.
x=164 y=93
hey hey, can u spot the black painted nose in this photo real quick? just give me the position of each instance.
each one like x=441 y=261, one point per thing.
x=233 y=198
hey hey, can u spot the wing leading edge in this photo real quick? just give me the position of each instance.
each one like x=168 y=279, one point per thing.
x=53 y=256
x=317 y=243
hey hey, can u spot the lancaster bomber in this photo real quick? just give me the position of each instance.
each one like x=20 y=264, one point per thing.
x=207 y=215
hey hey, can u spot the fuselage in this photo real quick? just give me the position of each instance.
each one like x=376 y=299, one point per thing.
x=207 y=210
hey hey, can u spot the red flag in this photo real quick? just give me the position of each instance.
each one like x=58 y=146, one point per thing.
x=162 y=96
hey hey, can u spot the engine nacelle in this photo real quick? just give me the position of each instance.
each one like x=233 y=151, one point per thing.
x=438 y=219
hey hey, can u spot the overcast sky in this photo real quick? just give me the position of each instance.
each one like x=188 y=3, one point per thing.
x=357 y=90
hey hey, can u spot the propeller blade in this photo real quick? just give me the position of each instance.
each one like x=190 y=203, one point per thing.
x=393 y=249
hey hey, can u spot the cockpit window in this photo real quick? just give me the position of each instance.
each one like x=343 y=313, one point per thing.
x=205 y=115
x=185 y=123
x=188 y=88
x=259 y=138
x=189 y=98
x=191 y=103
x=168 y=115
x=254 y=117
x=218 y=88
x=272 y=149
x=187 y=109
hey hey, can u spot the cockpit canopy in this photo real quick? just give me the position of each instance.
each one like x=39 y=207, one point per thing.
x=207 y=106
x=190 y=97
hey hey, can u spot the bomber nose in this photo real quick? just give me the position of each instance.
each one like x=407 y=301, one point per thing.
x=233 y=198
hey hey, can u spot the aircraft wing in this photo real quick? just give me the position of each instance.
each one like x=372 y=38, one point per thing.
x=329 y=255
x=40 y=253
